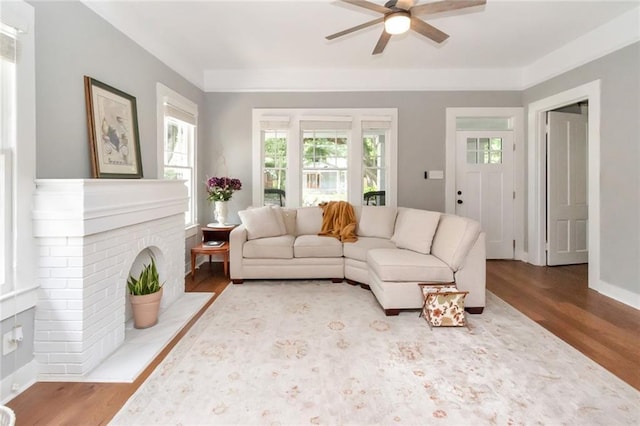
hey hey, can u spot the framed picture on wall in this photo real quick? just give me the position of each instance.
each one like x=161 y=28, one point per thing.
x=112 y=120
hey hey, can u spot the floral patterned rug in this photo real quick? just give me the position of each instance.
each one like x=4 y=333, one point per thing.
x=320 y=353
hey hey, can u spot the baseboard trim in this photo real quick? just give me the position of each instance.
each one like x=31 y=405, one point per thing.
x=24 y=377
x=622 y=295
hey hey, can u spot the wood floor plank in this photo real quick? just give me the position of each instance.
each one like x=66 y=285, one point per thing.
x=557 y=298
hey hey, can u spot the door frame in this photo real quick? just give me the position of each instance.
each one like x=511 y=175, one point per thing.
x=537 y=176
x=516 y=115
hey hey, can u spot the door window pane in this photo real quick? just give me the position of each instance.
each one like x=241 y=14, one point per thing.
x=472 y=144
x=484 y=151
x=483 y=123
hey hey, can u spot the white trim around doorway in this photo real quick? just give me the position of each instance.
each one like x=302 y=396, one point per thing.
x=537 y=175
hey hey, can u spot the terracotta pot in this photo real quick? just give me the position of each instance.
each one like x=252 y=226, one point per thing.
x=145 y=309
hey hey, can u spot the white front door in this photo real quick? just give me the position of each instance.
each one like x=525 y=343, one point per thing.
x=484 y=186
x=567 y=206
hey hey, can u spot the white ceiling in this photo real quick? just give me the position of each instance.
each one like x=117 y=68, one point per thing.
x=240 y=45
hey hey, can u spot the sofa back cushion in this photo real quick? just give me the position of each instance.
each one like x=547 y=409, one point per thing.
x=377 y=221
x=262 y=222
x=415 y=229
x=454 y=238
x=308 y=220
x=289 y=216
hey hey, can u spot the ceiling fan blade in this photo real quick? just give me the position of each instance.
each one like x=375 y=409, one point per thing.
x=404 y=4
x=368 y=5
x=382 y=43
x=356 y=28
x=427 y=30
x=445 y=6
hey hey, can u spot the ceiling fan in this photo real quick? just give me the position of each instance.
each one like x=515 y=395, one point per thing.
x=400 y=16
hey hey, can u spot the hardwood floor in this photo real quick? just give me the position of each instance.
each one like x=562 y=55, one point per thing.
x=559 y=299
x=556 y=297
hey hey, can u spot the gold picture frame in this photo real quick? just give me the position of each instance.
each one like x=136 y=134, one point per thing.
x=112 y=120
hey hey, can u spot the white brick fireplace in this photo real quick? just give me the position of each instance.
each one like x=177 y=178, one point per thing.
x=90 y=232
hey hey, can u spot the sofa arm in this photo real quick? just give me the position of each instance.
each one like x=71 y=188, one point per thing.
x=237 y=238
x=472 y=276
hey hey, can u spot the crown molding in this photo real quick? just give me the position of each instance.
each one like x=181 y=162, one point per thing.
x=614 y=35
x=359 y=80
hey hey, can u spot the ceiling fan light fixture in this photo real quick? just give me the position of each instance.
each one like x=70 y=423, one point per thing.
x=397 y=22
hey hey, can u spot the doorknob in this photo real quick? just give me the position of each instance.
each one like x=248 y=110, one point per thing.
x=459 y=201
x=459 y=192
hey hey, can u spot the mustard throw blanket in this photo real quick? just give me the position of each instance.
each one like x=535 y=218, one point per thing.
x=338 y=221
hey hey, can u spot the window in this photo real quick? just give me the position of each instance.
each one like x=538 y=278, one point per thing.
x=178 y=117
x=8 y=137
x=324 y=155
x=18 y=283
x=374 y=160
x=324 y=166
x=275 y=164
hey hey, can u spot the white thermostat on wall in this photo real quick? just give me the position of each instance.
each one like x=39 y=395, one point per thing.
x=435 y=174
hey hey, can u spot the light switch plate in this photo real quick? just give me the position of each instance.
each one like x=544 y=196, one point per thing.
x=436 y=174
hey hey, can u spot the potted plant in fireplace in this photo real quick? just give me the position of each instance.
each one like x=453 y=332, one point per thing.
x=145 y=293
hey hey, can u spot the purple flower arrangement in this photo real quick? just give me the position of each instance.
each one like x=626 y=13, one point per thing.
x=222 y=188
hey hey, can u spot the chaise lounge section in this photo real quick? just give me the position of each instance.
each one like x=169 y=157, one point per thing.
x=397 y=248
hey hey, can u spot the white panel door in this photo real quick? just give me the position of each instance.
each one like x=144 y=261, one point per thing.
x=567 y=206
x=484 y=186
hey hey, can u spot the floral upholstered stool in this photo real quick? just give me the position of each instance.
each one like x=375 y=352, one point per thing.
x=443 y=305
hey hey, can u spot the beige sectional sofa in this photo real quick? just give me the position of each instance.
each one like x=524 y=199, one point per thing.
x=397 y=248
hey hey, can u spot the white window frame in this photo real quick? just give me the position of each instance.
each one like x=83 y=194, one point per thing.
x=293 y=117
x=20 y=157
x=166 y=96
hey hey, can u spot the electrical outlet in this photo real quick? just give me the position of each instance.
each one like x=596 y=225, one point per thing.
x=15 y=387
x=8 y=344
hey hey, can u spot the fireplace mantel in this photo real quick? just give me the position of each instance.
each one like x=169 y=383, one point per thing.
x=80 y=207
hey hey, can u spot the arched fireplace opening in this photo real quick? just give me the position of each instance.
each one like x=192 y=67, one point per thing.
x=143 y=258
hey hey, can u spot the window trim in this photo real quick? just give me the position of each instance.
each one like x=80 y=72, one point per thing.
x=165 y=95
x=294 y=117
x=22 y=294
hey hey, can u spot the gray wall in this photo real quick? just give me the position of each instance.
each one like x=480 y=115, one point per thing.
x=619 y=158
x=23 y=355
x=421 y=135
x=71 y=42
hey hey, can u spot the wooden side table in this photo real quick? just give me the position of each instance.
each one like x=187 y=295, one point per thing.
x=213 y=233
x=203 y=249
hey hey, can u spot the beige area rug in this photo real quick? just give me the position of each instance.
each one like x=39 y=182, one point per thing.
x=321 y=353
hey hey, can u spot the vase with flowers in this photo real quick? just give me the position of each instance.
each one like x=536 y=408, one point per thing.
x=220 y=190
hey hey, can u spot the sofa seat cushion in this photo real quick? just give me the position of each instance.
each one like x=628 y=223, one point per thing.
x=269 y=248
x=407 y=265
x=358 y=249
x=317 y=246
